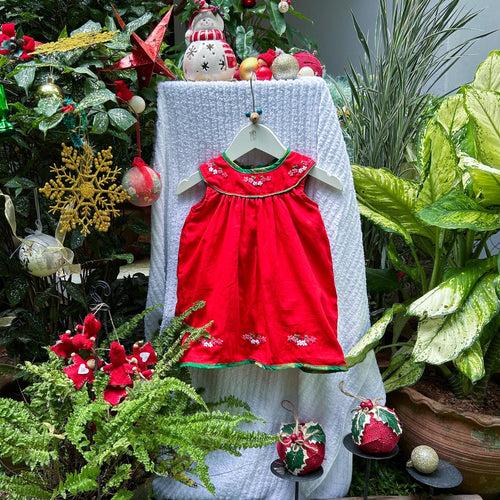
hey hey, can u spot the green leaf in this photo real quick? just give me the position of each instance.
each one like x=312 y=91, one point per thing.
x=75 y=292
x=48 y=106
x=295 y=459
x=121 y=118
x=88 y=27
x=372 y=336
x=457 y=211
x=407 y=374
x=51 y=122
x=471 y=362
x=25 y=76
x=139 y=22
x=440 y=340
x=96 y=98
x=315 y=433
x=277 y=19
x=488 y=73
x=485 y=180
x=244 y=42
x=389 y=418
x=100 y=123
x=358 y=424
x=483 y=109
x=15 y=290
x=449 y=296
x=451 y=115
x=388 y=201
x=441 y=173
x=381 y=280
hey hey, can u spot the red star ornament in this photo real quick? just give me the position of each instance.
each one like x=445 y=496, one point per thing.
x=145 y=53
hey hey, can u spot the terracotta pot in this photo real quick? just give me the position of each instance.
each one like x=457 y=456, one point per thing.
x=469 y=441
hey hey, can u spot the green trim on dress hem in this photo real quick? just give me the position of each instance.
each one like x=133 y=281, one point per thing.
x=334 y=368
x=256 y=170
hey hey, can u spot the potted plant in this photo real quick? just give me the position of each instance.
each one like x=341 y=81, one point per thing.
x=447 y=321
x=96 y=422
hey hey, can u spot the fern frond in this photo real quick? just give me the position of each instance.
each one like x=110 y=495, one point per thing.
x=82 y=481
x=22 y=485
x=121 y=474
x=127 y=328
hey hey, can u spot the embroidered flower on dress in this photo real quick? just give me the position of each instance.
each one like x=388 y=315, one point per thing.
x=215 y=170
x=257 y=181
x=301 y=340
x=211 y=342
x=254 y=338
x=298 y=169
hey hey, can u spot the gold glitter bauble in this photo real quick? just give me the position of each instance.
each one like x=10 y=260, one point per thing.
x=247 y=67
x=424 y=459
x=285 y=67
x=49 y=89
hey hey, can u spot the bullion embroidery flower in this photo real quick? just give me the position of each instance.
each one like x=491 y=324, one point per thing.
x=211 y=342
x=254 y=338
x=257 y=181
x=215 y=170
x=301 y=340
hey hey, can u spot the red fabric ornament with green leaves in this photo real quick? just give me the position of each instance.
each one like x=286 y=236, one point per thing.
x=375 y=428
x=301 y=446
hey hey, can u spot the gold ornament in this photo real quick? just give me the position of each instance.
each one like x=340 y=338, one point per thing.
x=424 y=459
x=85 y=189
x=78 y=41
x=49 y=89
x=285 y=67
x=247 y=67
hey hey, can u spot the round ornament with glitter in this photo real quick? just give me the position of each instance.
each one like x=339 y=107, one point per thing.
x=375 y=428
x=49 y=89
x=43 y=255
x=208 y=56
x=285 y=67
x=142 y=183
x=424 y=459
x=284 y=6
x=301 y=447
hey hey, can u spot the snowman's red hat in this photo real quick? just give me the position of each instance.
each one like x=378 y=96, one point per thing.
x=203 y=6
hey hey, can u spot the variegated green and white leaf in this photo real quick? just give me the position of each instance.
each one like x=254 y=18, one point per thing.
x=388 y=201
x=372 y=336
x=488 y=73
x=388 y=225
x=471 y=362
x=483 y=109
x=451 y=294
x=440 y=340
x=451 y=114
x=457 y=211
x=407 y=374
x=442 y=172
x=485 y=180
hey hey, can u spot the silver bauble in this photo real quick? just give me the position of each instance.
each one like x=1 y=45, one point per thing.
x=424 y=459
x=285 y=67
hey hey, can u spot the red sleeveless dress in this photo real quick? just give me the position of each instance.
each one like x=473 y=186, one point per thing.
x=255 y=249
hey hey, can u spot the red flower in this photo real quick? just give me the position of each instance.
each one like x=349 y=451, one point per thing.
x=80 y=371
x=17 y=47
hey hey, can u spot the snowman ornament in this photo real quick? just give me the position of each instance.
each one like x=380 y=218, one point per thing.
x=208 y=55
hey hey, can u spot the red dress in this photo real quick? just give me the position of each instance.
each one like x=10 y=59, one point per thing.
x=255 y=249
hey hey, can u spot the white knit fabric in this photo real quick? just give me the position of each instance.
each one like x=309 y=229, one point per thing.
x=196 y=121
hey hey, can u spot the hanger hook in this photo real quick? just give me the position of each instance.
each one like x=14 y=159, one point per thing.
x=254 y=115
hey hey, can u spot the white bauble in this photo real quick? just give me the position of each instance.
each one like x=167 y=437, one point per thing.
x=283 y=6
x=137 y=104
x=43 y=255
x=306 y=72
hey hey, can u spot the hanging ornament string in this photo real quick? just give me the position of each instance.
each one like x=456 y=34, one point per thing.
x=105 y=308
x=342 y=388
x=38 y=222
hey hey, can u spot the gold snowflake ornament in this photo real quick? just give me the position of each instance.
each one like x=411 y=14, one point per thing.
x=85 y=189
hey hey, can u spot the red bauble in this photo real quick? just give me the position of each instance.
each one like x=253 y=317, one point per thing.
x=264 y=73
x=248 y=4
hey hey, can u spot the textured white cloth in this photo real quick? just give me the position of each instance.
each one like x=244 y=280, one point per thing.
x=197 y=121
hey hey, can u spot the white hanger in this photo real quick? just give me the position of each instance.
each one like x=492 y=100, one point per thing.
x=258 y=136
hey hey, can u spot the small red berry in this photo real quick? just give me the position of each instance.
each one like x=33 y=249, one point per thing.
x=248 y=4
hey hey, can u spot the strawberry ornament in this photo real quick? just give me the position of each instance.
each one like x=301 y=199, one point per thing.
x=301 y=446
x=375 y=428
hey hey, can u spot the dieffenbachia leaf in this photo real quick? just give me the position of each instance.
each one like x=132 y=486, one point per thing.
x=244 y=42
x=96 y=98
x=389 y=201
x=48 y=106
x=471 y=362
x=457 y=211
x=483 y=109
x=450 y=294
x=371 y=338
x=440 y=340
x=407 y=374
x=25 y=75
x=488 y=73
x=451 y=114
x=277 y=19
x=441 y=173
x=485 y=180
x=121 y=118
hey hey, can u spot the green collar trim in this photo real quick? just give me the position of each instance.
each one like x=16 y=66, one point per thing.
x=306 y=367
x=256 y=170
